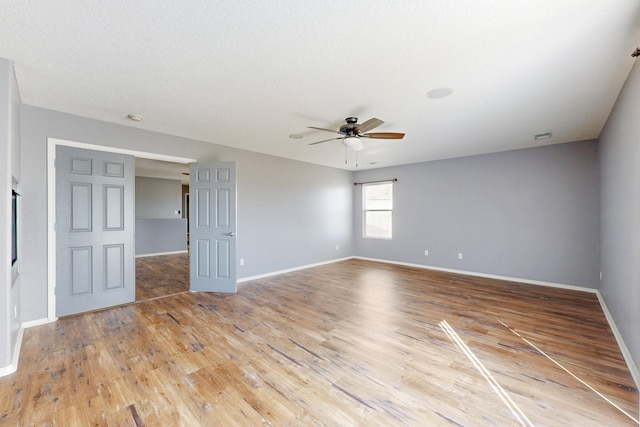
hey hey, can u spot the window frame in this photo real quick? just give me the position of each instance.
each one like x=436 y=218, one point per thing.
x=365 y=210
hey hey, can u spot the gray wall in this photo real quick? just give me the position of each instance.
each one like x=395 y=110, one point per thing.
x=158 y=198
x=10 y=280
x=290 y=213
x=620 y=213
x=529 y=214
x=156 y=236
x=159 y=229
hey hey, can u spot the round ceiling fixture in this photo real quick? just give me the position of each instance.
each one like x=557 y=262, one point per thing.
x=442 y=92
x=353 y=142
x=135 y=117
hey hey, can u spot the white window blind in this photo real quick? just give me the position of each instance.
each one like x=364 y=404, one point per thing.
x=378 y=210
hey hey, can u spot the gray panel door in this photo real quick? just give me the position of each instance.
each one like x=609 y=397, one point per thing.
x=212 y=227
x=95 y=214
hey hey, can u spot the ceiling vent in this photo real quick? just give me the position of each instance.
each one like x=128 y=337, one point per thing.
x=540 y=136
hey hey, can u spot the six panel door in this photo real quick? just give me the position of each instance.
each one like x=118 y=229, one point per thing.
x=95 y=217
x=212 y=227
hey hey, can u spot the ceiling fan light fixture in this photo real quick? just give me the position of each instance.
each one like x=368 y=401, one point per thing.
x=353 y=142
x=352 y=133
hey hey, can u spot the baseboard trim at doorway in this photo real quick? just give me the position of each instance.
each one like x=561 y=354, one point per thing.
x=162 y=253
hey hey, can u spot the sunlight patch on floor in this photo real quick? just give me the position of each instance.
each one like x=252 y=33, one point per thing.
x=495 y=386
x=568 y=371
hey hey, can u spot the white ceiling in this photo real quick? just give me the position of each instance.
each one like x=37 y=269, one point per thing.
x=248 y=73
x=161 y=169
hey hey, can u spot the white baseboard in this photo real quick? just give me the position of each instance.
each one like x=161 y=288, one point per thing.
x=38 y=322
x=633 y=369
x=488 y=276
x=8 y=370
x=623 y=347
x=289 y=270
x=162 y=253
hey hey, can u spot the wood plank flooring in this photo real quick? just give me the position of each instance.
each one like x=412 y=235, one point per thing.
x=159 y=276
x=350 y=343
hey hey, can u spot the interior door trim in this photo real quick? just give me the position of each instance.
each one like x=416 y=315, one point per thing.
x=52 y=143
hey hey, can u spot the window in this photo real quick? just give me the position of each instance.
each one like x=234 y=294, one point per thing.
x=378 y=205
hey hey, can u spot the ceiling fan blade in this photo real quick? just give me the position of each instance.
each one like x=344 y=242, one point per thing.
x=324 y=140
x=328 y=130
x=384 y=135
x=369 y=124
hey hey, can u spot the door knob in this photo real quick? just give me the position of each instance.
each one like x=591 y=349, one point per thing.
x=231 y=234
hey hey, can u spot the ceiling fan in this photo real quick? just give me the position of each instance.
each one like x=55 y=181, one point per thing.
x=352 y=133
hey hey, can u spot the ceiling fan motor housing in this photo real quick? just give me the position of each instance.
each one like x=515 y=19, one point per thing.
x=351 y=128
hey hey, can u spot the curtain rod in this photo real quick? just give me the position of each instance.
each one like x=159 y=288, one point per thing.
x=375 y=182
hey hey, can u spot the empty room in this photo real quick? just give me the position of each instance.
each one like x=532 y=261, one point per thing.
x=350 y=214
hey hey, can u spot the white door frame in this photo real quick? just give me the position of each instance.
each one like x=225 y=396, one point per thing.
x=52 y=144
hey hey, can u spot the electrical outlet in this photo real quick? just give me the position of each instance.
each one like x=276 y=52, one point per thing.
x=337 y=247
x=459 y=255
x=426 y=252
x=241 y=261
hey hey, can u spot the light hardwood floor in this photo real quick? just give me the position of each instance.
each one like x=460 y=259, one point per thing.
x=349 y=343
x=159 y=276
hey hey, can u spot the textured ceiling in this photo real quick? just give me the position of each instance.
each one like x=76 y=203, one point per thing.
x=249 y=73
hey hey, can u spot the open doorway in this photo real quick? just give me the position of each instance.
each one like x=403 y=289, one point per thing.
x=162 y=230
x=212 y=257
